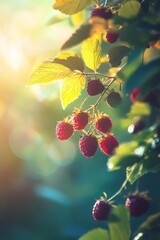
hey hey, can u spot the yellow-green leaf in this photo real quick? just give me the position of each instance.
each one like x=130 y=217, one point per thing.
x=77 y=19
x=48 y=72
x=71 y=88
x=70 y=60
x=130 y=9
x=72 y=6
x=139 y=109
x=91 y=53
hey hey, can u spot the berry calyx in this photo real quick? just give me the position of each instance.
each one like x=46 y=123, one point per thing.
x=101 y=210
x=94 y=87
x=64 y=130
x=114 y=99
x=112 y=36
x=137 y=127
x=103 y=124
x=80 y=120
x=101 y=12
x=88 y=145
x=138 y=204
x=108 y=144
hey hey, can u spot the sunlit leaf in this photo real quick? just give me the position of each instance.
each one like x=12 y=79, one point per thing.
x=129 y=9
x=72 y=6
x=71 y=88
x=70 y=60
x=77 y=19
x=91 y=53
x=139 y=109
x=48 y=72
x=77 y=37
x=96 y=234
x=120 y=229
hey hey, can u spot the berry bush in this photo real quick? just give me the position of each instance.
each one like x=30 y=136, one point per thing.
x=113 y=63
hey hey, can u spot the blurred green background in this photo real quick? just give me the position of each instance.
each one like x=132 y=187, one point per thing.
x=47 y=188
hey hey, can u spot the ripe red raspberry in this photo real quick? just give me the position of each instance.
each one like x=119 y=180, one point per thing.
x=103 y=124
x=134 y=94
x=101 y=210
x=108 y=144
x=88 y=145
x=114 y=99
x=80 y=120
x=112 y=36
x=138 y=204
x=105 y=13
x=94 y=87
x=64 y=130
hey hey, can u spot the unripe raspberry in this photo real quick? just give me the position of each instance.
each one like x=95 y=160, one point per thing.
x=64 y=130
x=94 y=87
x=138 y=204
x=112 y=36
x=114 y=99
x=105 y=13
x=103 y=124
x=108 y=144
x=88 y=145
x=80 y=120
x=101 y=210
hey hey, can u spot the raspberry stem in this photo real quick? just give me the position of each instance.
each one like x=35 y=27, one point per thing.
x=97 y=73
x=123 y=185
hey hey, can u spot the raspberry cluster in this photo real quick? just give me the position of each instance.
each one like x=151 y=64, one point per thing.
x=99 y=125
x=90 y=140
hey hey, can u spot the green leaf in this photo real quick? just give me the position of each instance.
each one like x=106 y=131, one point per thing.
x=48 y=72
x=71 y=88
x=129 y=9
x=133 y=62
x=139 y=109
x=146 y=77
x=150 y=228
x=72 y=6
x=116 y=54
x=91 y=53
x=125 y=156
x=77 y=37
x=135 y=172
x=96 y=234
x=70 y=60
x=120 y=230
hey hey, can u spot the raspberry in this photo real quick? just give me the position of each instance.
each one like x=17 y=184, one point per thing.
x=80 y=120
x=64 y=130
x=136 y=127
x=108 y=144
x=138 y=204
x=94 y=87
x=105 y=13
x=134 y=94
x=103 y=124
x=101 y=210
x=114 y=99
x=88 y=145
x=112 y=36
